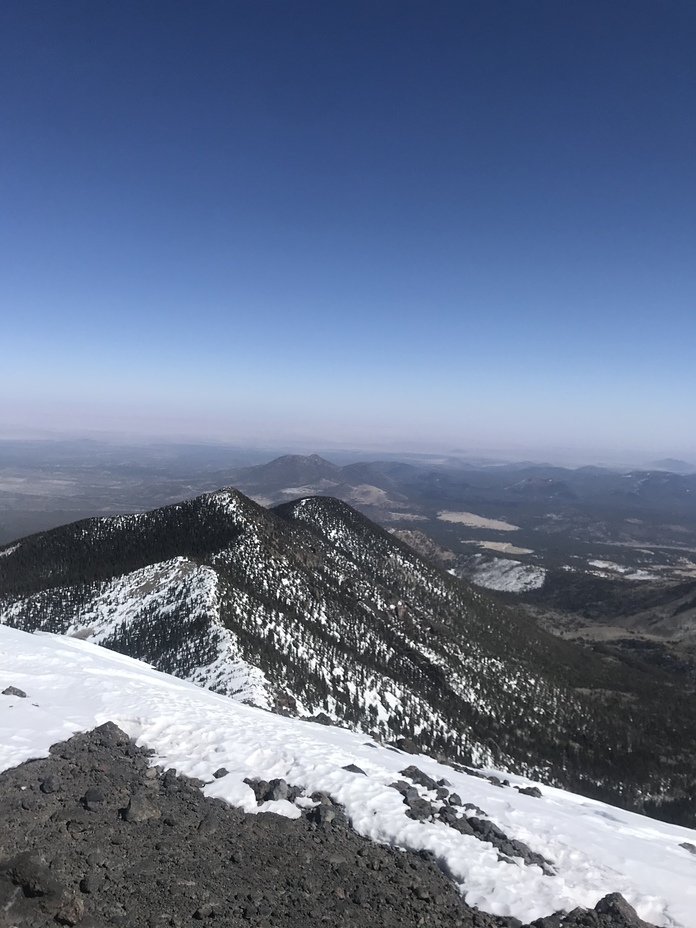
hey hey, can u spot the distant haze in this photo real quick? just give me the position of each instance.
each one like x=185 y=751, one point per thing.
x=258 y=447
x=388 y=226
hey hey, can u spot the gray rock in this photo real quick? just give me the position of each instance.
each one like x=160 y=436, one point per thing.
x=294 y=792
x=462 y=826
x=470 y=807
x=401 y=786
x=531 y=791
x=417 y=775
x=14 y=691
x=277 y=790
x=29 y=871
x=486 y=830
x=209 y=825
x=353 y=768
x=588 y=918
x=321 y=814
x=93 y=799
x=623 y=915
x=221 y=772
x=110 y=735
x=91 y=882
x=71 y=911
x=549 y=921
x=447 y=815
x=50 y=784
x=260 y=788
x=420 y=809
x=171 y=781
x=140 y=809
x=360 y=896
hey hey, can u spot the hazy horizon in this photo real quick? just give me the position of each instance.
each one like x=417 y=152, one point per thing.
x=387 y=226
x=342 y=451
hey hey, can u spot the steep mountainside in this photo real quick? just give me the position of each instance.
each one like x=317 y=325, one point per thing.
x=327 y=826
x=312 y=608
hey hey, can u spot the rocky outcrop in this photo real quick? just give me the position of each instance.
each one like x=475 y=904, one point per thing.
x=96 y=837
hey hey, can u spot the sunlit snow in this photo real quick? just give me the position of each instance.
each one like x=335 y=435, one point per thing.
x=595 y=849
x=506 y=575
x=609 y=569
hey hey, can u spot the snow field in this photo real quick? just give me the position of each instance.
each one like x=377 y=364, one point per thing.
x=595 y=849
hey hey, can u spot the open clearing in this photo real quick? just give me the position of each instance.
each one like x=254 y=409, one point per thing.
x=504 y=547
x=474 y=521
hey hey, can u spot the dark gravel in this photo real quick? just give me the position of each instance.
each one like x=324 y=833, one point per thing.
x=93 y=836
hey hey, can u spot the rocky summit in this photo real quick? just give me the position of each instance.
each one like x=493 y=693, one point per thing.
x=96 y=837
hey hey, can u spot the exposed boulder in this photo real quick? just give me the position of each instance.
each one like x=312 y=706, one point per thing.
x=14 y=691
x=422 y=779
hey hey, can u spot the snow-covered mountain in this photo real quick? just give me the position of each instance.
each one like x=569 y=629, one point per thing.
x=312 y=609
x=510 y=852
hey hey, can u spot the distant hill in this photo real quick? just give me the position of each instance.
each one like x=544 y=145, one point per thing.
x=292 y=470
x=675 y=465
x=586 y=489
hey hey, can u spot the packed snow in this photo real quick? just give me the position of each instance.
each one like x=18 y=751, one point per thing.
x=73 y=685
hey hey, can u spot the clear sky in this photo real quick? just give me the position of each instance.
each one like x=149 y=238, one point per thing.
x=465 y=224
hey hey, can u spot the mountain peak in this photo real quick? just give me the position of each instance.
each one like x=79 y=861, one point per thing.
x=296 y=470
x=302 y=460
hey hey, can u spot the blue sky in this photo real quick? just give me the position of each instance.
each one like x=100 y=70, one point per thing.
x=390 y=223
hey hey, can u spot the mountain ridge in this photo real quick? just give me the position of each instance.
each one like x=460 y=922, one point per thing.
x=311 y=608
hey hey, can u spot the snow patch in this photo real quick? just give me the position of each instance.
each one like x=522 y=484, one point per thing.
x=473 y=521
x=506 y=575
x=610 y=569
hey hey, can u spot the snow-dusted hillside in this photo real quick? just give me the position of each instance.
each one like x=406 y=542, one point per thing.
x=505 y=574
x=311 y=608
x=167 y=613
x=592 y=848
